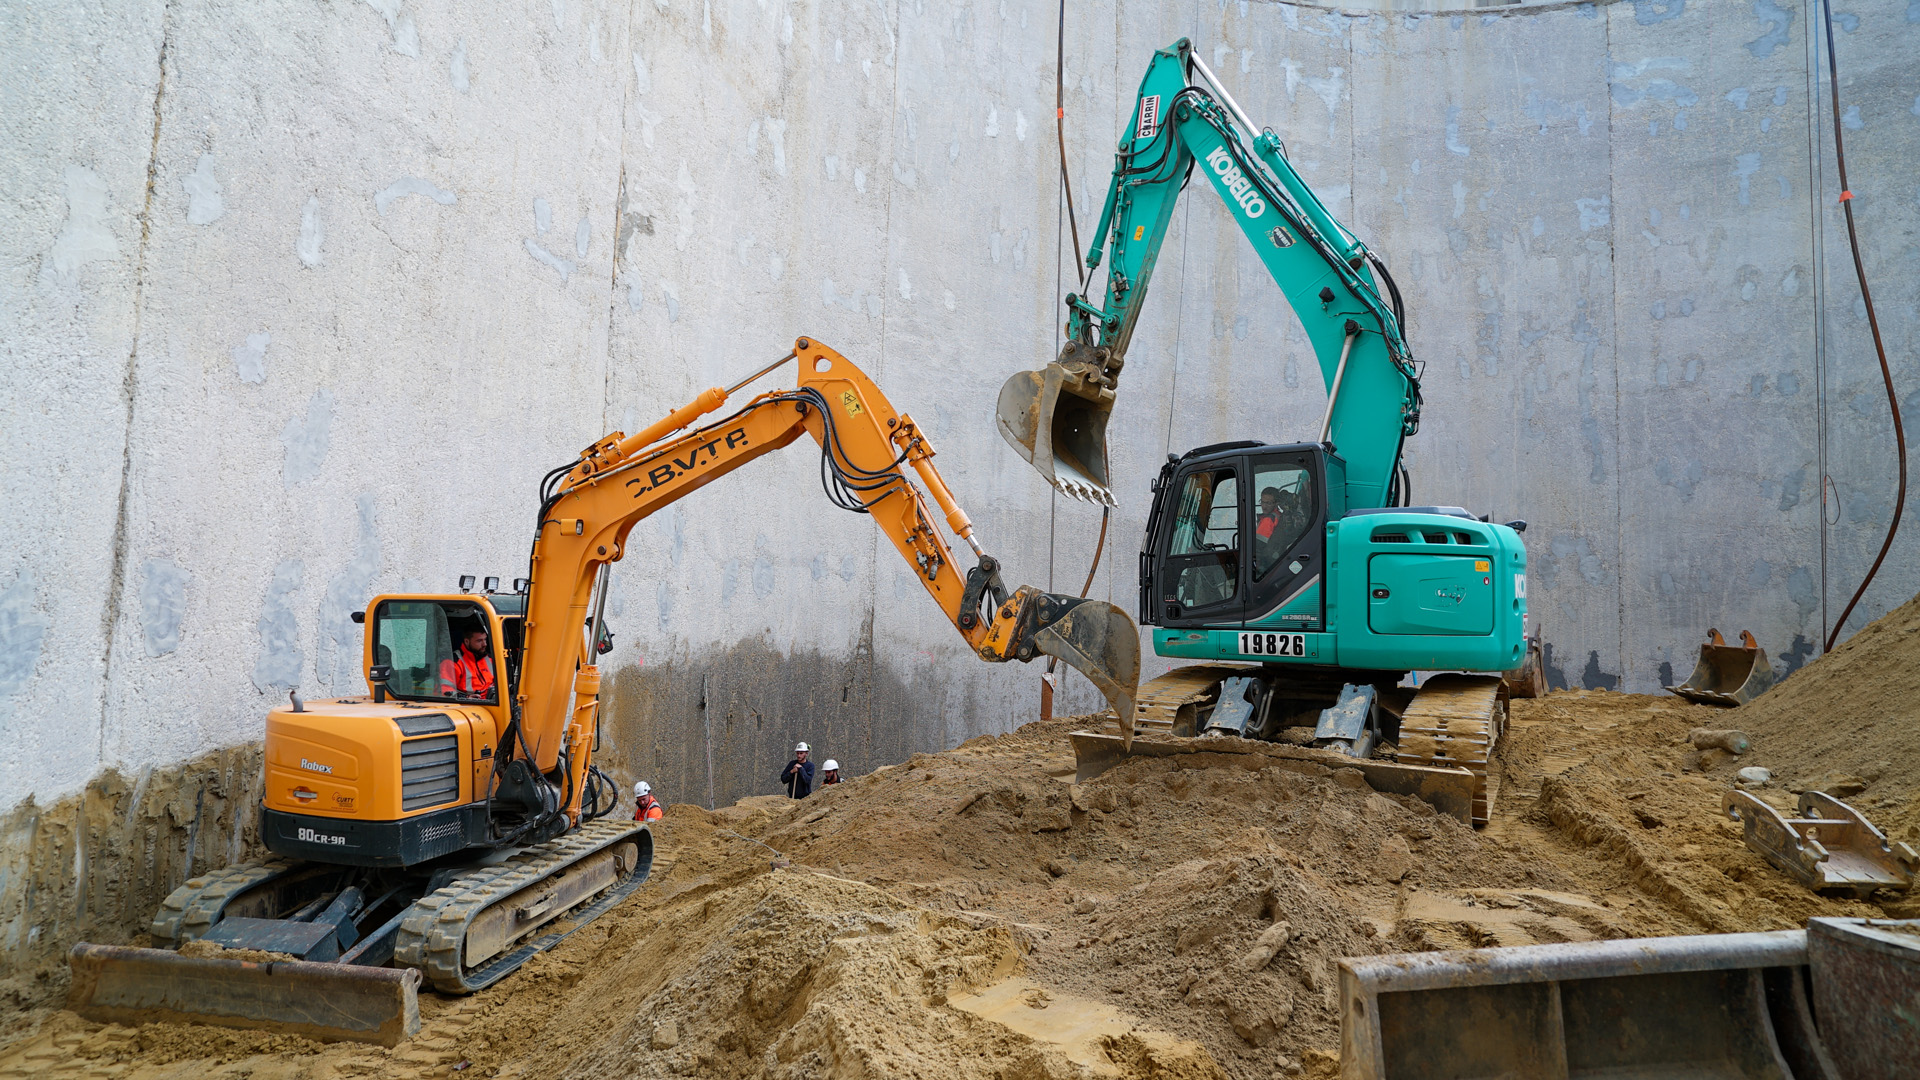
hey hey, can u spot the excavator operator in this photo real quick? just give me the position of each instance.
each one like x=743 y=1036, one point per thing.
x=469 y=674
x=1269 y=513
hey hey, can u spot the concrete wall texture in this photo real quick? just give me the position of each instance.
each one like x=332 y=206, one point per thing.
x=299 y=300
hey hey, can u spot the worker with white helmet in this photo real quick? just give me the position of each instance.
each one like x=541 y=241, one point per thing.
x=798 y=775
x=829 y=772
x=645 y=806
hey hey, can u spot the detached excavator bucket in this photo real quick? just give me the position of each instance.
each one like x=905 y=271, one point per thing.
x=1719 y=1005
x=1102 y=643
x=1057 y=419
x=1728 y=674
x=330 y=1002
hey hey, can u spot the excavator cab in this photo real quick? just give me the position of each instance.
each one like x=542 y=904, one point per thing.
x=1237 y=537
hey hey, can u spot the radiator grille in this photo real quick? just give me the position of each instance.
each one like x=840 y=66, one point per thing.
x=429 y=771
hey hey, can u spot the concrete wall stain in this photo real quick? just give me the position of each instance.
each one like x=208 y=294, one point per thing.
x=163 y=604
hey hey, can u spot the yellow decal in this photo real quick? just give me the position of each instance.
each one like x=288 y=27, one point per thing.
x=1139 y=231
x=852 y=403
x=1482 y=565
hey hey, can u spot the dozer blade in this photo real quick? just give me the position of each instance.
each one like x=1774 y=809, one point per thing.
x=1056 y=418
x=330 y=1002
x=1449 y=791
x=1728 y=674
x=1102 y=643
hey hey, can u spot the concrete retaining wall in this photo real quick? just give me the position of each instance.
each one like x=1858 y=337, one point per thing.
x=298 y=301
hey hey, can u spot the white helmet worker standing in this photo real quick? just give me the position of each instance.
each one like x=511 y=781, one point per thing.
x=797 y=777
x=829 y=772
x=645 y=806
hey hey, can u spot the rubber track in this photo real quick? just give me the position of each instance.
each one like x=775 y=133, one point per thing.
x=433 y=933
x=1454 y=722
x=190 y=911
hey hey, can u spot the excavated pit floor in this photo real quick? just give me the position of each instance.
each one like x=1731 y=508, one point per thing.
x=975 y=914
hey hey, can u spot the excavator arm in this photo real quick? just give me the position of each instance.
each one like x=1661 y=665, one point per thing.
x=592 y=506
x=1057 y=417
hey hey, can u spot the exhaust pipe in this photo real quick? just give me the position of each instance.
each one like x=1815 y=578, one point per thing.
x=1056 y=418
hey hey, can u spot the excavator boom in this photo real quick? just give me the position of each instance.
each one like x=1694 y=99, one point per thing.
x=864 y=441
x=1056 y=418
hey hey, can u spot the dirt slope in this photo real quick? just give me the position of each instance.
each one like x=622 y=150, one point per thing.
x=1849 y=723
x=975 y=914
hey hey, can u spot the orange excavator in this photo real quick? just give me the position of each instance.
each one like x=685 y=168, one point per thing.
x=449 y=824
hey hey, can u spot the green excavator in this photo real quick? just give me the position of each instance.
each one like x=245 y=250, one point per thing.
x=1298 y=574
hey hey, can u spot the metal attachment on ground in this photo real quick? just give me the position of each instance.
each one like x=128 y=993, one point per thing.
x=1722 y=1005
x=1728 y=674
x=1830 y=847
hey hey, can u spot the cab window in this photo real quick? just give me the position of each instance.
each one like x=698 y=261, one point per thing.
x=1283 y=511
x=421 y=641
x=1205 y=544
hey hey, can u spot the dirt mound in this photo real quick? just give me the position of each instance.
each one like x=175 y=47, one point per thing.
x=1207 y=893
x=1849 y=723
x=1607 y=787
x=976 y=913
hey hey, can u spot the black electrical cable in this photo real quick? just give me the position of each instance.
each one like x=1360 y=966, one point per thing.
x=1060 y=136
x=1873 y=323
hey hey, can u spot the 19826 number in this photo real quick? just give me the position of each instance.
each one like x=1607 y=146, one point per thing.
x=1263 y=644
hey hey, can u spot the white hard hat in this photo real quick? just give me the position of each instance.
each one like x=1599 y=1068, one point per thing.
x=797 y=747
x=831 y=765
x=642 y=788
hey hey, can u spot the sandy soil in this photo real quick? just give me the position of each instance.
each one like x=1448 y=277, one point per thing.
x=976 y=914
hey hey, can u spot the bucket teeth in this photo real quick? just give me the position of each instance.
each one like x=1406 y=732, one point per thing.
x=1085 y=492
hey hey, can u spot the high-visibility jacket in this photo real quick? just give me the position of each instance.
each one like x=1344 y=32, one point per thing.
x=648 y=810
x=466 y=674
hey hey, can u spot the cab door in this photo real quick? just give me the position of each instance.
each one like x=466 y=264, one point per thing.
x=1286 y=540
x=1200 y=577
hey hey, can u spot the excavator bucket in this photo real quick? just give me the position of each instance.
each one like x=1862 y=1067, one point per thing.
x=1718 y=1005
x=330 y=1002
x=1102 y=643
x=1728 y=674
x=1057 y=419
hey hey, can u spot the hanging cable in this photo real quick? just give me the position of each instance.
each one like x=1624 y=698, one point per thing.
x=1060 y=135
x=1080 y=267
x=1873 y=323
